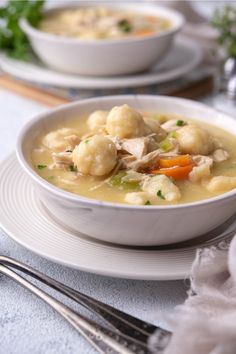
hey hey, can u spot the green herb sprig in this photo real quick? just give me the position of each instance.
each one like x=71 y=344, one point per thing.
x=12 y=38
x=224 y=20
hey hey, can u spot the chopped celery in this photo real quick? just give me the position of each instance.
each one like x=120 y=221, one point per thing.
x=173 y=134
x=166 y=145
x=122 y=181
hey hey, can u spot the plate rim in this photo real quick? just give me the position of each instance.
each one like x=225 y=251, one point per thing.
x=64 y=80
x=129 y=273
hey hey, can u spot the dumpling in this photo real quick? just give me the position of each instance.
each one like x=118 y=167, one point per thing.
x=161 y=186
x=61 y=139
x=124 y=122
x=95 y=156
x=194 y=140
x=220 y=184
x=97 y=120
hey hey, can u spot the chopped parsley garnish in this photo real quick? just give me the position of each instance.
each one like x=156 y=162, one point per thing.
x=125 y=26
x=86 y=141
x=160 y=195
x=72 y=168
x=148 y=202
x=180 y=123
x=40 y=167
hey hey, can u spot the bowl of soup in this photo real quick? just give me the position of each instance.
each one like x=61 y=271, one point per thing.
x=105 y=39
x=133 y=169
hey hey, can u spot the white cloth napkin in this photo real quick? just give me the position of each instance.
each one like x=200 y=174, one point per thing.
x=206 y=322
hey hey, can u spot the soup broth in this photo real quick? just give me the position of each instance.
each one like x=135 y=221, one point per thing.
x=101 y=23
x=93 y=157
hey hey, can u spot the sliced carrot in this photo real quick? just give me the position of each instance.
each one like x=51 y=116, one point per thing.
x=146 y=32
x=181 y=160
x=176 y=172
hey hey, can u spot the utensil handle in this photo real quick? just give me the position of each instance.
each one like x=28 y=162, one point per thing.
x=129 y=325
x=103 y=340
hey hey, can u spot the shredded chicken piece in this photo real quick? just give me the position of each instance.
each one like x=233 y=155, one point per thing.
x=70 y=181
x=126 y=160
x=61 y=160
x=72 y=140
x=220 y=155
x=201 y=159
x=137 y=147
x=147 y=161
x=134 y=176
x=171 y=125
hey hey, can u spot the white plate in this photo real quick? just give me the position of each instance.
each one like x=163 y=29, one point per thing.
x=25 y=220
x=184 y=56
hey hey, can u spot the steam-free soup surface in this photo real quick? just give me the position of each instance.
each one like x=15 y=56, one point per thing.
x=101 y=23
x=139 y=158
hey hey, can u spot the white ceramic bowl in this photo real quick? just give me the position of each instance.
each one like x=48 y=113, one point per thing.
x=105 y=57
x=120 y=223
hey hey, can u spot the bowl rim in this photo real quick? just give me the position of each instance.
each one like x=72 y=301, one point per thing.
x=89 y=202
x=34 y=32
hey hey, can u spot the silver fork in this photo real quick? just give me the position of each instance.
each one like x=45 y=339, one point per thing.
x=102 y=339
x=131 y=335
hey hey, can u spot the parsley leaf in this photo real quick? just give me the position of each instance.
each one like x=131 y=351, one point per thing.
x=180 y=123
x=125 y=26
x=12 y=39
x=224 y=21
x=41 y=167
x=160 y=195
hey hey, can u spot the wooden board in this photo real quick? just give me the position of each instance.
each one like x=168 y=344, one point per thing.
x=194 y=91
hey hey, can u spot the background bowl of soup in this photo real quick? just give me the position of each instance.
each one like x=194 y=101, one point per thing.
x=90 y=53
x=139 y=225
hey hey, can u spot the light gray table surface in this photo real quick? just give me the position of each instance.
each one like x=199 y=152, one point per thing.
x=27 y=325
